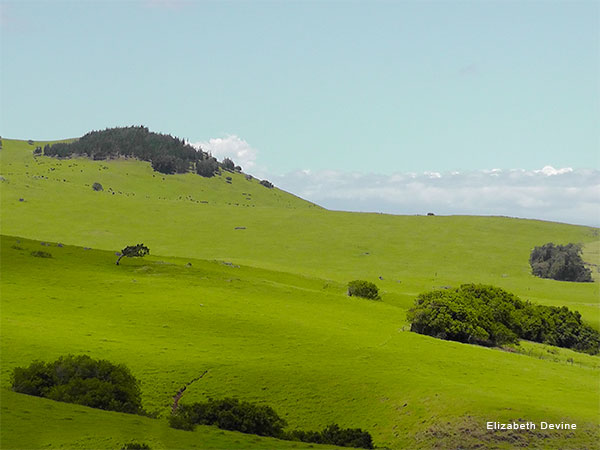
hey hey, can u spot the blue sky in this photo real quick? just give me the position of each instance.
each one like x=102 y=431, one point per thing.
x=351 y=87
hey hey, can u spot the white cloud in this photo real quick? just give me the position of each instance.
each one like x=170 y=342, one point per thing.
x=232 y=147
x=564 y=194
x=549 y=170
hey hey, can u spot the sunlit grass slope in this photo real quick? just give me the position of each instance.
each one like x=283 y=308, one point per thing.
x=279 y=328
x=297 y=343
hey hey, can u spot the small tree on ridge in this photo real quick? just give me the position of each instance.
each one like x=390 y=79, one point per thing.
x=134 y=251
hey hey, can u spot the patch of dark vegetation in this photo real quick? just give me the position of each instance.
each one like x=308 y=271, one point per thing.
x=136 y=446
x=228 y=164
x=230 y=414
x=167 y=154
x=81 y=380
x=364 y=289
x=97 y=187
x=133 y=251
x=267 y=184
x=16 y=247
x=235 y=415
x=207 y=167
x=559 y=262
x=30 y=142
x=41 y=254
x=37 y=151
x=490 y=316
x=334 y=435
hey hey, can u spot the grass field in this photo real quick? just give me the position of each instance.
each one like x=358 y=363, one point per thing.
x=263 y=308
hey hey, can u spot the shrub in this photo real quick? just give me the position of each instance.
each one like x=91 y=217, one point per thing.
x=133 y=251
x=207 y=167
x=136 y=446
x=364 y=289
x=559 y=262
x=230 y=414
x=267 y=184
x=37 y=151
x=82 y=380
x=234 y=415
x=334 y=435
x=164 y=164
x=97 y=187
x=228 y=164
x=41 y=254
x=490 y=316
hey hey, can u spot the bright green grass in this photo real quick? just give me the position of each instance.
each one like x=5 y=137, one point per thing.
x=34 y=423
x=279 y=329
x=296 y=343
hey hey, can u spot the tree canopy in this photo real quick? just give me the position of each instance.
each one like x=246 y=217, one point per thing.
x=490 y=316
x=559 y=262
x=168 y=154
x=82 y=380
x=134 y=251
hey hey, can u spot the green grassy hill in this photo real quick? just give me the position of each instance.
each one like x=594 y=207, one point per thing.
x=263 y=308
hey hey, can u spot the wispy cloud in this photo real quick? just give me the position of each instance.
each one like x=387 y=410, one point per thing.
x=231 y=147
x=564 y=194
x=558 y=194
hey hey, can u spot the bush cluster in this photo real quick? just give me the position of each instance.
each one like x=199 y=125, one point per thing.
x=334 y=435
x=166 y=153
x=235 y=415
x=82 y=380
x=41 y=254
x=559 y=262
x=230 y=414
x=364 y=289
x=97 y=187
x=136 y=446
x=487 y=315
x=267 y=184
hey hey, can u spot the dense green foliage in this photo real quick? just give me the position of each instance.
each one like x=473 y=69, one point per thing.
x=97 y=186
x=235 y=415
x=490 y=316
x=230 y=414
x=362 y=288
x=334 y=435
x=41 y=254
x=134 y=251
x=167 y=154
x=136 y=446
x=559 y=262
x=82 y=380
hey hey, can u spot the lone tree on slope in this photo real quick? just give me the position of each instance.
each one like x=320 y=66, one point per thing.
x=134 y=251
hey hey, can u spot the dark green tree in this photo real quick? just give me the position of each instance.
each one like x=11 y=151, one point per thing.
x=134 y=251
x=364 y=289
x=559 y=262
x=82 y=380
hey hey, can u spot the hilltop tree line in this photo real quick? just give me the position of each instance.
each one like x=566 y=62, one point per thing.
x=489 y=316
x=166 y=153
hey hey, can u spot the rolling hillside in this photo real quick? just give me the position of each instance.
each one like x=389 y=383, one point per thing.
x=249 y=283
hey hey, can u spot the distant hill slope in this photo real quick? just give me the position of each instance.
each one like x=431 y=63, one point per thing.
x=129 y=178
x=191 y=216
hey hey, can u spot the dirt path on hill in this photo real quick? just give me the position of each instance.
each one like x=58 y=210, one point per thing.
x=180 y=392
